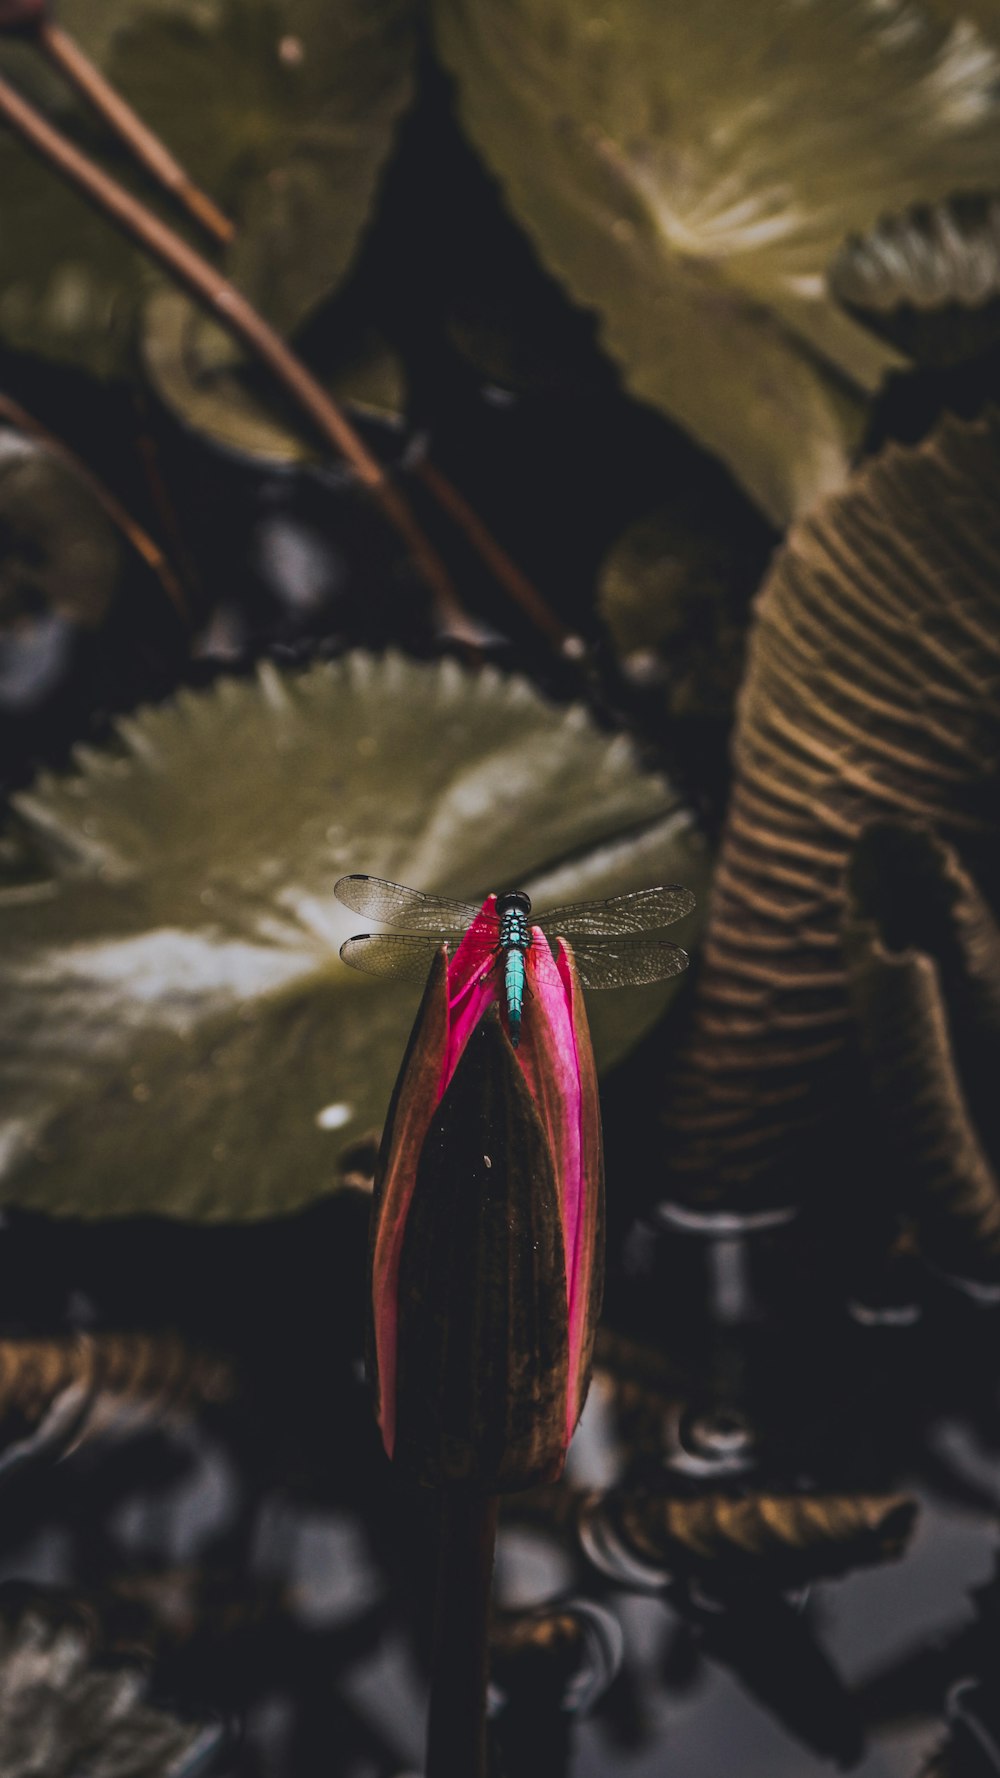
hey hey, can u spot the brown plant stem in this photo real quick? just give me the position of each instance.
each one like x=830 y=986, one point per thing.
x=131 y=530
x=456 y=1724
x=65 y=54
x=504 y=569
x=237 y=314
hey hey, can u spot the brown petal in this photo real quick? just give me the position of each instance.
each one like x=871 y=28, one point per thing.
x=481 y=1391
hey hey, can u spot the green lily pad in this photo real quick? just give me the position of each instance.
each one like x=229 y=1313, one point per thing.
x=690 y=172
x=177 y=1032
x=284 y=110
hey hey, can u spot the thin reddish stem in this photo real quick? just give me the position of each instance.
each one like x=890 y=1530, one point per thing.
x=504 y=569
x=65 y=53
x=140 y=539
x=234 y=312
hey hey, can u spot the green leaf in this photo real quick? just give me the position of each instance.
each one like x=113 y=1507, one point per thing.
x=284 y=110
x=177 y=1032
x=690 y=171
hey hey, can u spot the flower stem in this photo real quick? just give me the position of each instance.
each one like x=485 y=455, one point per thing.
x=456 y=1726
x=66 y=55
x=238 y=315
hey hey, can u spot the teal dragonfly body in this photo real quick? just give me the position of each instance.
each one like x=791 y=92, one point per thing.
x=604 y=935
x=515 y=941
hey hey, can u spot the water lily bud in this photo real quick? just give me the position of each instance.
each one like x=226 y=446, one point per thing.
x=487 y=1221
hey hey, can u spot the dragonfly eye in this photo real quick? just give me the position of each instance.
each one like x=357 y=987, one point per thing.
x=514 y=902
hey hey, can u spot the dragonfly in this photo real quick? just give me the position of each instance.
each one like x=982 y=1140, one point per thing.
x=604 y=935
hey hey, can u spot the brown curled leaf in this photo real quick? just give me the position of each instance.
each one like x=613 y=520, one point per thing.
x=80 y=1385
x=785 y=1539
x=871 y=693
x=562 y=1654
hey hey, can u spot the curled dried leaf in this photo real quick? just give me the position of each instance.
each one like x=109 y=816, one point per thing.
x=870 y=693
x=786 y=1539
x=77 y=1387
x=564 y=1655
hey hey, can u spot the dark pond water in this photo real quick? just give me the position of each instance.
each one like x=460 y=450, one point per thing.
x=257 y=1551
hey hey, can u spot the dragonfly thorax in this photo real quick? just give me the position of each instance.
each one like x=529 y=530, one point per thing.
x=513 y=910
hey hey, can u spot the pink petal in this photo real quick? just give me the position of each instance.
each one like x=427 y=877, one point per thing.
x=551 y=1064
x=472 y=985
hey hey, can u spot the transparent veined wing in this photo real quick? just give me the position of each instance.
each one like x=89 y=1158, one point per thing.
x=643 y=910
x=627 y=962
x=395 y=905
x=403 y=956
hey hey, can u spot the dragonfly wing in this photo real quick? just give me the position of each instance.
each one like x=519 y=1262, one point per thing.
x=404 y=956
x=395 y=905
x=627 y=962
x=644 y=910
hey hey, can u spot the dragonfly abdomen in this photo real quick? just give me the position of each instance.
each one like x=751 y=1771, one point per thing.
x=515 y=938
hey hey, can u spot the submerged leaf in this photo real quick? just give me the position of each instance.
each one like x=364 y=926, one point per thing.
x=177 y=1032
x=690 y=172
x=284 y=110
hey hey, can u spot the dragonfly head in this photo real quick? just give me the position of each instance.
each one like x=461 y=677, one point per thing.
x=513 y=901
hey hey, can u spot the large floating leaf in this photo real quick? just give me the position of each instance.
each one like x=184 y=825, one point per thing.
x=690 y=172
x=177 y=1032
x=283 y=109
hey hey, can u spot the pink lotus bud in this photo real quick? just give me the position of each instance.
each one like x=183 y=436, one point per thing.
x=487 y=1222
